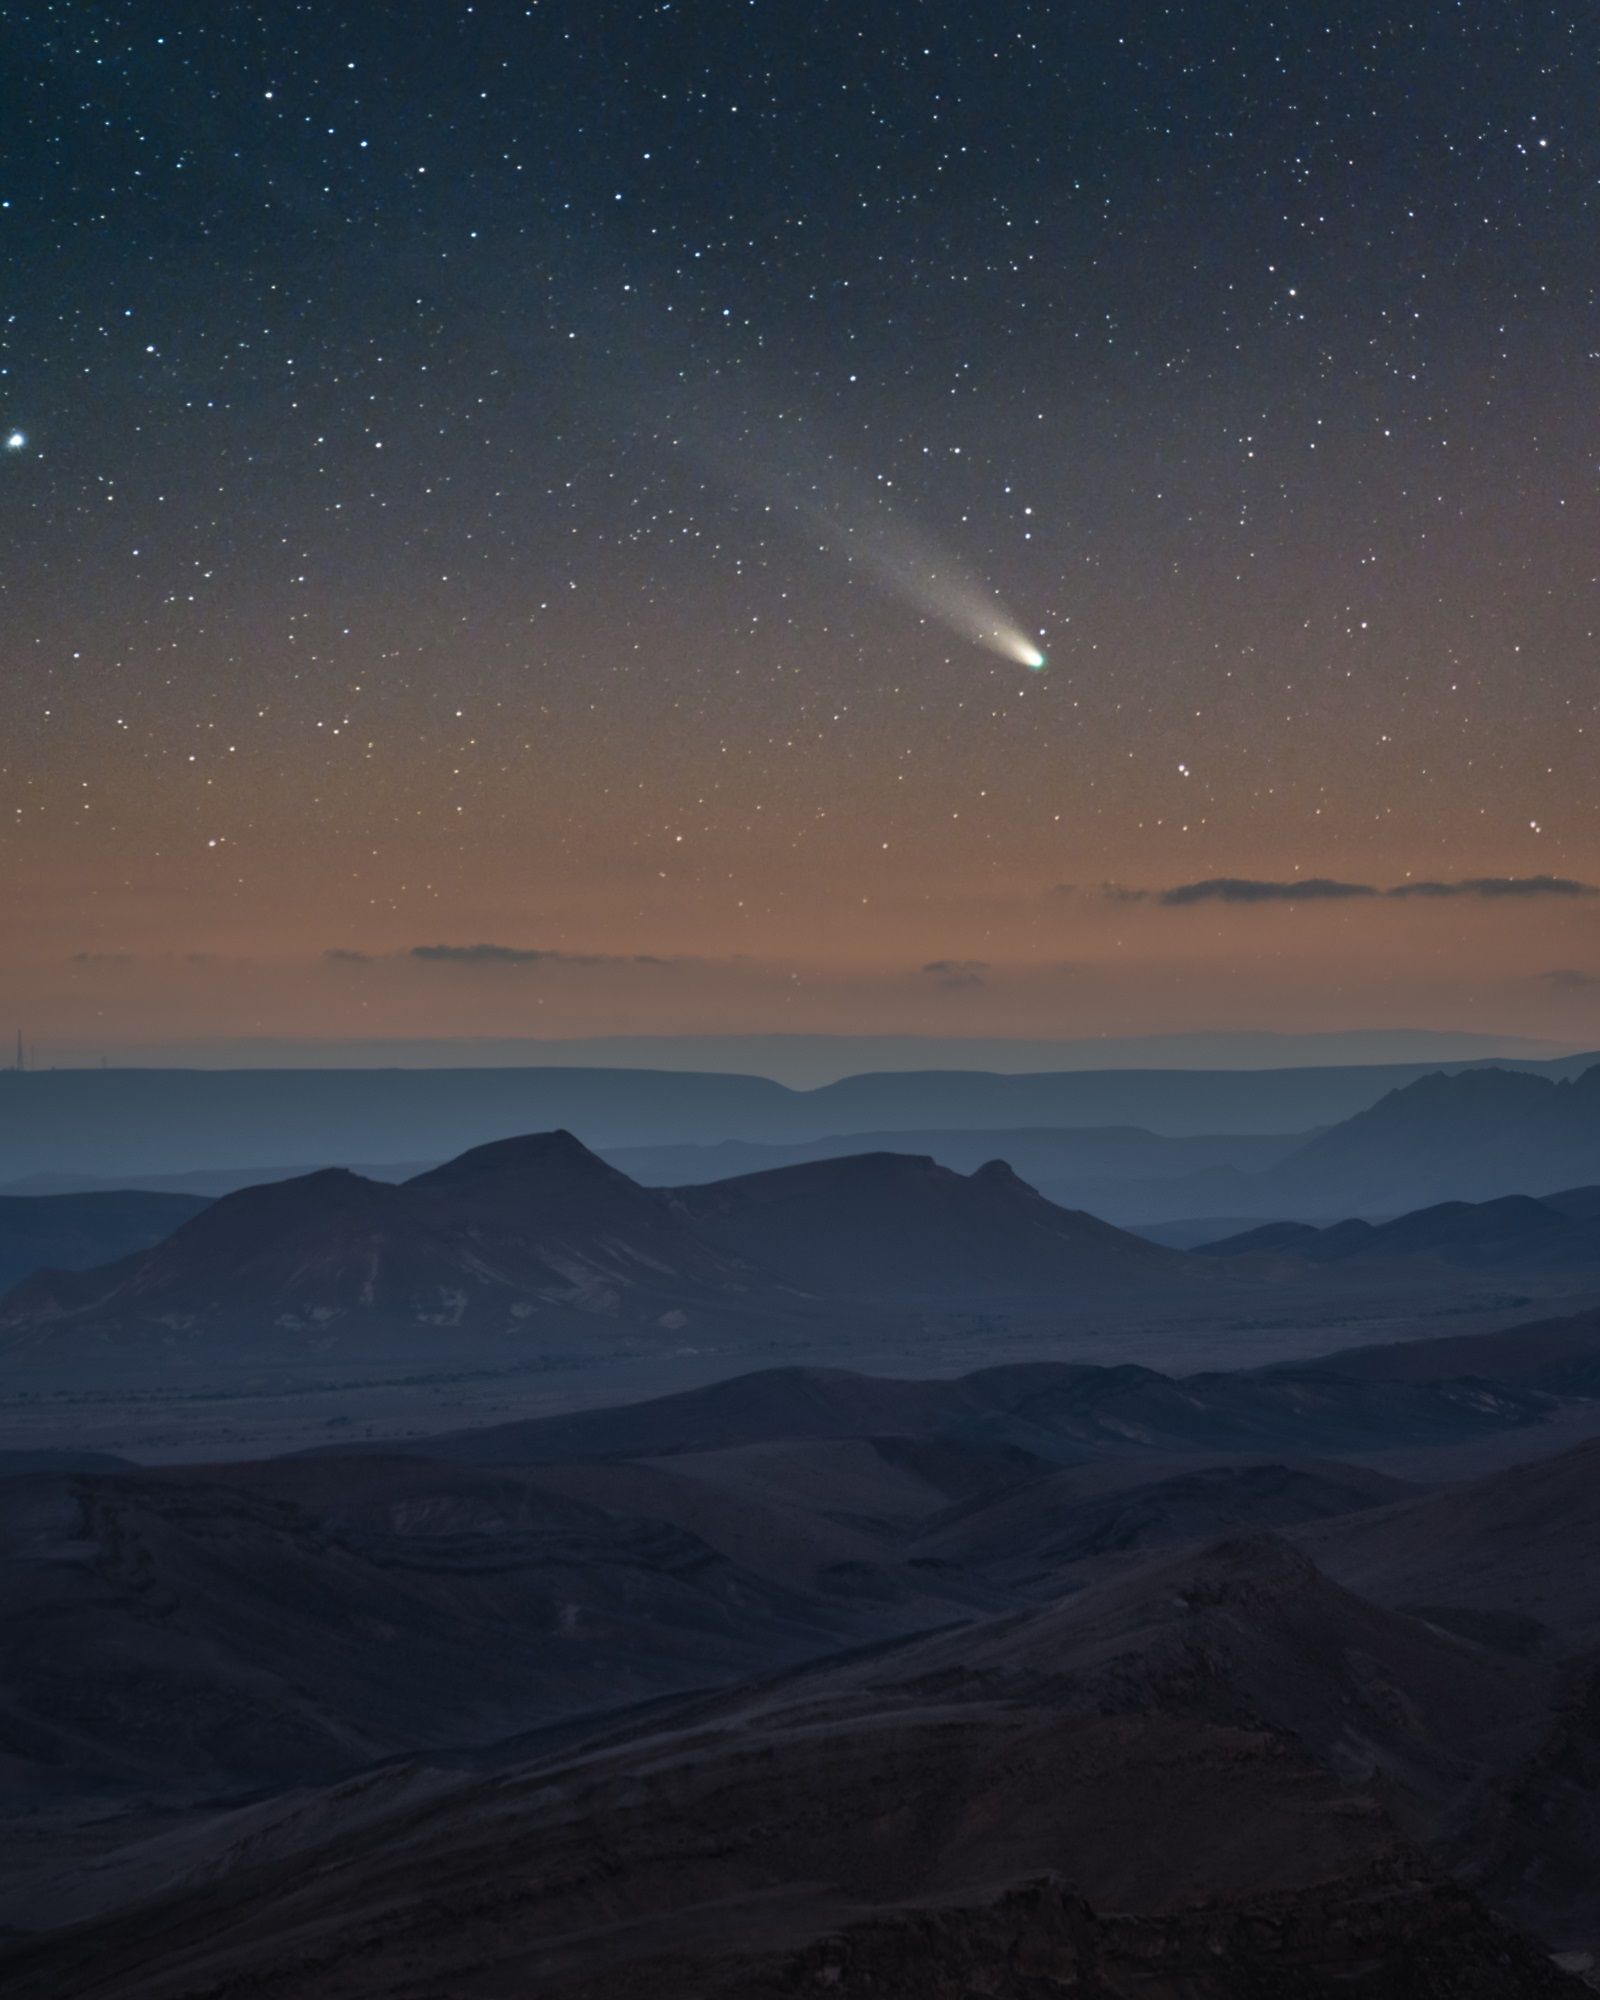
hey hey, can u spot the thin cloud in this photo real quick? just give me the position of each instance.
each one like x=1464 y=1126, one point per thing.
x=497 y=954
x=1238 y=889
x=151 y=958
x=1565 y=980
x=1245 y=890
x=956 y=972
x=1491 y=887
x=338 y=956
x=511 y=954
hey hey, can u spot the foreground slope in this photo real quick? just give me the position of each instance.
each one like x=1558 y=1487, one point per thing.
x=1220 y=1776
x=175 y=1633
x=1059 y=1410
x=1513 y=1558
x=1559 y=1357
x=311 y=1616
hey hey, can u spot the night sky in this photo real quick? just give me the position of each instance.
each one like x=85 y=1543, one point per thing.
x=535 y=520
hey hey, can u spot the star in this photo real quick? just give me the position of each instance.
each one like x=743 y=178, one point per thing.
x=15 y=441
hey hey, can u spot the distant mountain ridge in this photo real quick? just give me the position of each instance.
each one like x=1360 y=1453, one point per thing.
x=81 y=1230
x=1470 y=1135
x=1560 y=1229
x=159 y=1122
x=1467 y=1137
x=1432 y=1150
x=1123 y=1173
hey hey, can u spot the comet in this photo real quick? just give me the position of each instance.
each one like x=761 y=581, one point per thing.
x=911 y=566
x=857 y=519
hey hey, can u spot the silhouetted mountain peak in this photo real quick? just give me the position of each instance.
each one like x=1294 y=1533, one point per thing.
x=485 y=1242
x=1476 y=1135
x=855 y=1172
x=535 y=1160
x=876 y=1223
x=1512 y=1230
x=1472 y=1094
x=536 y=1223
x=1579 y=1204
x=257 y=1220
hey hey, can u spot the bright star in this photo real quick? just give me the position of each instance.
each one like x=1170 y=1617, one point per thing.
x=15 y=441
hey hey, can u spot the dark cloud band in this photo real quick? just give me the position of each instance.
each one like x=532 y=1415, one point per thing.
x=511 y=954
x=486 y=954
x=1235 y=889
x=1491 y=887
x=1320 y=889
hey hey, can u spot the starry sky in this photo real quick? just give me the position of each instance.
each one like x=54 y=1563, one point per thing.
x=544 y=520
